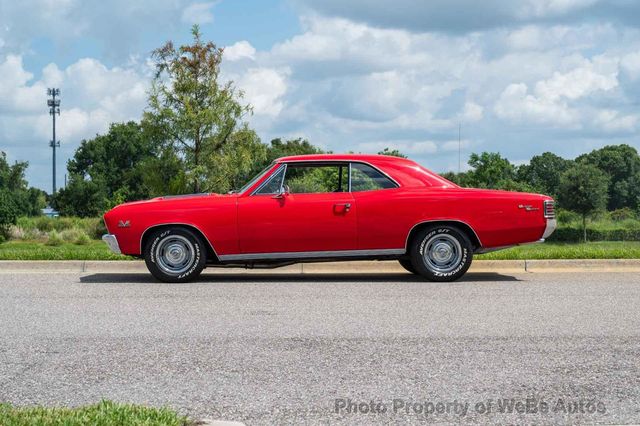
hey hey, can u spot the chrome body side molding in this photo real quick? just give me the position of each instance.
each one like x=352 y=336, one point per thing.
x=311 y=254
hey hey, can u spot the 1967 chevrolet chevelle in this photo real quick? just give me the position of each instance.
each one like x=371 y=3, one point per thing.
x=329 y=207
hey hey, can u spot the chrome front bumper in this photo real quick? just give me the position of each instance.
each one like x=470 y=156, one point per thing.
x=112 y=242
x=552 y=224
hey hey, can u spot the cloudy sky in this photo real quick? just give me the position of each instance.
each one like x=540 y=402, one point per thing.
x=521 y=77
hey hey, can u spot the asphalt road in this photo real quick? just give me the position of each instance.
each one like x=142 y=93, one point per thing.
x=290 y=349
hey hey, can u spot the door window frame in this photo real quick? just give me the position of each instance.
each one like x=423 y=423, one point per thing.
x=347 y=163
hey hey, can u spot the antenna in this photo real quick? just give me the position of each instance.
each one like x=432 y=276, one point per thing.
x=459 y=148
x=54 y=108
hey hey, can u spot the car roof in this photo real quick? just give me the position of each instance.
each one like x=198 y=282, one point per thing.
x=373 y=158
x=407 y=172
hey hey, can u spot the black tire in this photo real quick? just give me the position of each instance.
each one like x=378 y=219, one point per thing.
x=175 y=255
x=441 y=253
x=406 y=264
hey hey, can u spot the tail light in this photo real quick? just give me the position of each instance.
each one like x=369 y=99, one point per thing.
x=549 y=209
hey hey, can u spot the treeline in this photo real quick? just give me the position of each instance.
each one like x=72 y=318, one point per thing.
x=194 y=137
x=611 y=172
x=16 y=198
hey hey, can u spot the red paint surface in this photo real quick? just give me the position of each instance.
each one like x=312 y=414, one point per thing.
x=381 y=219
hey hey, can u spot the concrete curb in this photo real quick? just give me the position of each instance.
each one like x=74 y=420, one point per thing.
x=361 y=267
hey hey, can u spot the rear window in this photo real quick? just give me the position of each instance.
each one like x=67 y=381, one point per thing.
x=366 y=178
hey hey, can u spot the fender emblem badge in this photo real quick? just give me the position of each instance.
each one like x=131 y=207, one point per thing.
x=124 y=224
x=528 y=207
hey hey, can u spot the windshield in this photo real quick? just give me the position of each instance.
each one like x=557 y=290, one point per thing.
x=254 y=180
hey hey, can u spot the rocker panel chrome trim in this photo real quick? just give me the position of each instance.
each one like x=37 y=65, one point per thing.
x=310 y=254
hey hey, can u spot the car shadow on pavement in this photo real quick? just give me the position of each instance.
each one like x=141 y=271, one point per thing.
x=108 y=278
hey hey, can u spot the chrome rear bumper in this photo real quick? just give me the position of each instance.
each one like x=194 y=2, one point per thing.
x=112 y=242
x=552 y=224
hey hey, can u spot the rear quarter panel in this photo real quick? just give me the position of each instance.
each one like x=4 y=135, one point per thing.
x=386 y=217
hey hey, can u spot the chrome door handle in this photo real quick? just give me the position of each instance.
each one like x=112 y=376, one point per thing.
x=347 y=206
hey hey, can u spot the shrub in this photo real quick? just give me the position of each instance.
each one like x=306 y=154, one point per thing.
x=95 y=228
x=82 y=240
x=567 y=216
x=63 y=223
x=624 y=213
x=70 y=235
x=54 y=239
x=8 y=214
x=44 y=224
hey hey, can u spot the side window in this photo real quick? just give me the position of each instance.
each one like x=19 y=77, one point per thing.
x=273 y=185
x=366 y=178
x=317 y=178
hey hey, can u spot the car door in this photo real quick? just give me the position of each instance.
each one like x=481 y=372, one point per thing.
x=381 y=210
x=302 y=208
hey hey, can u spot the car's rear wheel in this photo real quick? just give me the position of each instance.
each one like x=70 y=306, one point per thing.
x=175 y=254
x=441 y=253
x=406 y=264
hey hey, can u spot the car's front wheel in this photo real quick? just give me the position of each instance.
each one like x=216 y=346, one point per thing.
x=441 y=253
x=175 y=254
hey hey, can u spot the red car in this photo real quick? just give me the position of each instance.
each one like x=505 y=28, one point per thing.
x=330 y=207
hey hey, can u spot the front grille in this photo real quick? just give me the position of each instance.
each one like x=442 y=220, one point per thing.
x=549 y=209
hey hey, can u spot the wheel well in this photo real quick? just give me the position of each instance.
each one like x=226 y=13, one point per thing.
x=211 y=254
x=469 y=232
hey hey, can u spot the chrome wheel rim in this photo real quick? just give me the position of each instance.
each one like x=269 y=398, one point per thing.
x=175 y=254
x=442 y=253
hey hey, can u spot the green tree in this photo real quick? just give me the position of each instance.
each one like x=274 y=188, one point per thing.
x=490 y=170
x=190 y=110
x=583 y=189
x=622 y=164
x=392 y=152
x=83 y=198
x=26 y=201
x=112 y=161
x=543 y=172
x=237 y=162
x=8 y=213
x=164 y=174
x=278 y=148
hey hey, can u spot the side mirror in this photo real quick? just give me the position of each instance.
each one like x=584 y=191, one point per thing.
x=284 y=191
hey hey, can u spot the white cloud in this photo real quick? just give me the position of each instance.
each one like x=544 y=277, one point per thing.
x=93 y=96
x=463 y=16
x=239 y=50
x=198 y=13
x=631 y=65
x=264 y=89
x=613 y=121
x=598 y=76
x=517 y=105
x=472 y=112
x=552 y=100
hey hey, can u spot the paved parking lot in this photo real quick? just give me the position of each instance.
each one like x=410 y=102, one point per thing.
x=276 y=348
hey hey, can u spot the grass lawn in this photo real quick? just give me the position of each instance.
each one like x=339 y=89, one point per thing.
x=98 y=250
x=28 y=250
x=594 y=250
x=105 y=413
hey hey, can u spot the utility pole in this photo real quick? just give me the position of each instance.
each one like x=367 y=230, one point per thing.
x=54 y=108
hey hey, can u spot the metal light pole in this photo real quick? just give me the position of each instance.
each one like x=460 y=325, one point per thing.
x=54 y=108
